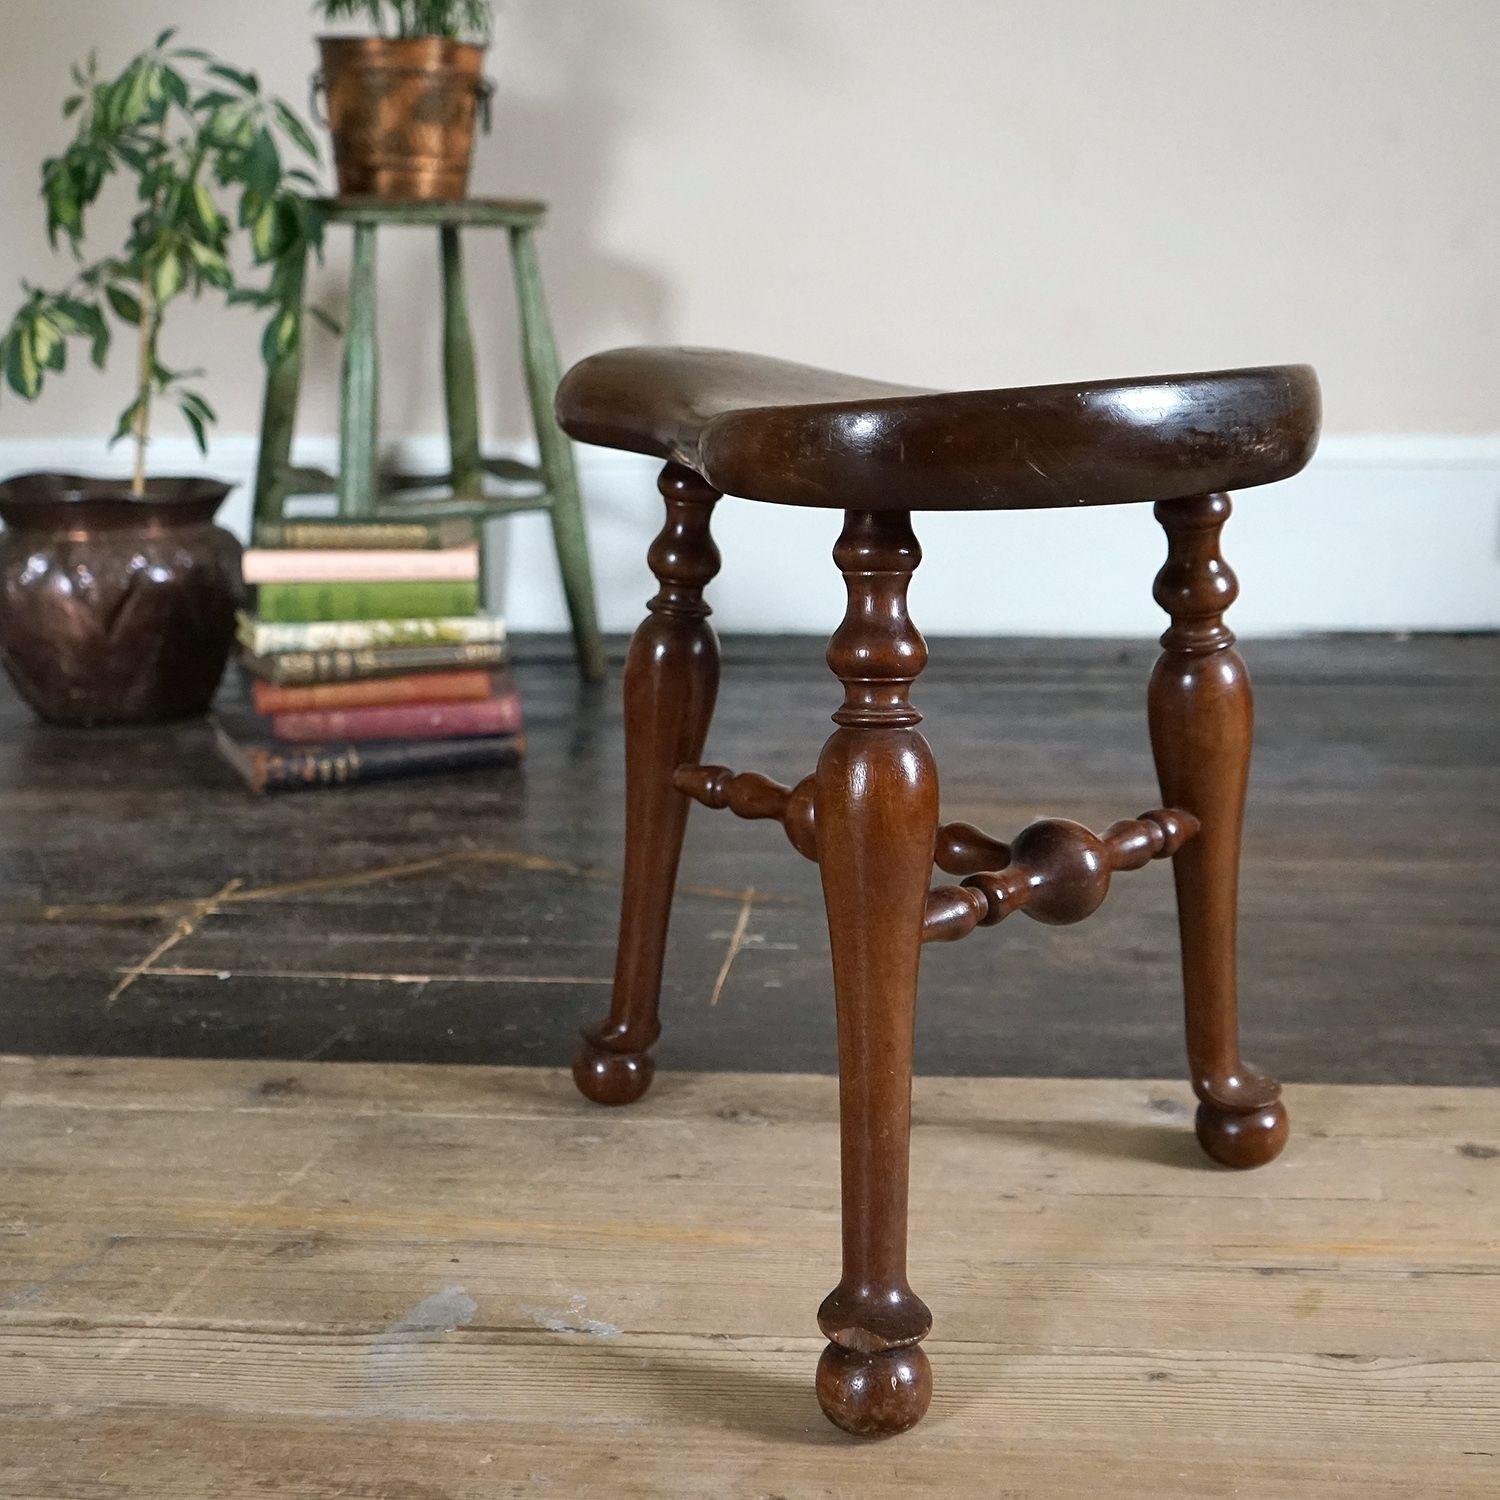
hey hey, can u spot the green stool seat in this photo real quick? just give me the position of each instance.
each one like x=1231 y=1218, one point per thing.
x=475 y=486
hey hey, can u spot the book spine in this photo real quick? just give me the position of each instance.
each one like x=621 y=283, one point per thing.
x=393 y=535
x=445 y=565
x=306 y=603
x=372 y=663
x=355 y=635
x=307 y=770
x=407 y=721
x=374 y=692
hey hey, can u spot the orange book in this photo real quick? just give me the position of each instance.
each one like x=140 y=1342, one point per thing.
x=373 y=692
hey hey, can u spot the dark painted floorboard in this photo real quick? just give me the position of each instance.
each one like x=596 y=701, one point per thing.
x=148 y=905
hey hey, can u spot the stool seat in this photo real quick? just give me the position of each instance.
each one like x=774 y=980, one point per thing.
x=773 y=430
x=469 y=213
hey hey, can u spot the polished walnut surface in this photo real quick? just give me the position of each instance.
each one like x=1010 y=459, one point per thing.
x=773 y=430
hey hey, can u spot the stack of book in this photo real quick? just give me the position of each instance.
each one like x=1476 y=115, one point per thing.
x=368 y=658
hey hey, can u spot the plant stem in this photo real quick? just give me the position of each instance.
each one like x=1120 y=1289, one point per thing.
x=146 y=370
x=150 y=327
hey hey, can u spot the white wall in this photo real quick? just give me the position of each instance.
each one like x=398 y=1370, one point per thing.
x=1378 y=534
x=959 y=192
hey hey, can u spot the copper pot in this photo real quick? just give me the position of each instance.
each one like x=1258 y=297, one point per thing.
x=402 y=113
x=115 y=609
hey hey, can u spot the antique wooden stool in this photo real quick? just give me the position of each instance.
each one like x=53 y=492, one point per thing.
x=766 y=430
x=475 y=488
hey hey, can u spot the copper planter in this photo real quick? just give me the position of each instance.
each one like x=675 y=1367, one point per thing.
x=402 y=113
x=115 y=609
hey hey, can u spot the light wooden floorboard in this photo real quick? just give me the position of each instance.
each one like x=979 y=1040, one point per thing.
x=224 y=1280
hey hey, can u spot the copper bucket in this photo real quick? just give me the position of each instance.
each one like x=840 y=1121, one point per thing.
x=402 y=113
x=115 y=608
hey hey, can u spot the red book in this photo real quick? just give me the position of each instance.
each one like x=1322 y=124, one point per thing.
x=405 y=721
x=374 y=692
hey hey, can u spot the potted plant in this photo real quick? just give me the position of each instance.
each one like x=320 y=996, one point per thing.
x=402 y=104
x=117 y=598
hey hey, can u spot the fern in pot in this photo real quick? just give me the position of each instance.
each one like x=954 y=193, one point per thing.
x=117 y=597
x=403 y=104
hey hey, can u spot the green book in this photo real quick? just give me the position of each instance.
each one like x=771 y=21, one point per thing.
x=303 y=603
x=297 y=668
x=261 y=638
x=365 y=535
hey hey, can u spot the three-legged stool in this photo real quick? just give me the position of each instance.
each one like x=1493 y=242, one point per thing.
x=476 y=487
x=868 y=815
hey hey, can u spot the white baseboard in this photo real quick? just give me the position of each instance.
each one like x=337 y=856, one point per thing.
x=1385 y=532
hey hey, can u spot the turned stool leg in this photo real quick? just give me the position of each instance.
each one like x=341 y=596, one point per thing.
x=566 y=510
x=460 y=380
x=279 y=420
x=876 y=819
x=359 y=409
x=671 y=680
x=1201 y=716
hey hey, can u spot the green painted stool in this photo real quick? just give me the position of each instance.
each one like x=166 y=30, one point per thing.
x=476 y=487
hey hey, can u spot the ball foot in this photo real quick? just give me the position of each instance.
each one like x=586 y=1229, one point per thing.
x=874 y=1395
x=612 y=1077
x=1242 y=1140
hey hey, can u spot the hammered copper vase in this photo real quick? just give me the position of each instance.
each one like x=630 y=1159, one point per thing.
x=402 y=113
x=115 y=609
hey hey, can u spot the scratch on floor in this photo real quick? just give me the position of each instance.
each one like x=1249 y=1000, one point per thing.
x=506 y=858
x=178 y=1298
x=237 y=893
x=736 y=942
x=184 y=971
x=186 y=926
x=98 y=912
x=514 y=858
x=329 y=1042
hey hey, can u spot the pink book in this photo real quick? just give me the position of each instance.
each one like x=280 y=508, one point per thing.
x=308 y=565
x=400 y=721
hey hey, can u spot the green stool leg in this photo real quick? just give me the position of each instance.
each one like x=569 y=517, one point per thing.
x=459 y=381
x=359 y=410
x=539 y=355
x=277 y=422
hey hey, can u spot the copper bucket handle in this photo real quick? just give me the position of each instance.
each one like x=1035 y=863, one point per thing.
x=484 y=93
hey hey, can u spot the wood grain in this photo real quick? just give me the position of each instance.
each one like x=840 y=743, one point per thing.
x=1353 y=938
x=233 y=1279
